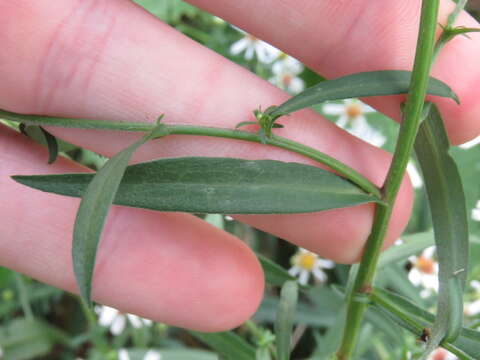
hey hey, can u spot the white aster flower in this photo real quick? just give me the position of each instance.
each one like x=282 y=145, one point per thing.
x=351 y=118
x=476 y=212
x=285 y=74
x=265 y=52
x=424 y=271
x=415 y=177
x=305 y=263
x=441 y=354
x=471 y=143
x=149 y=355
x=116 y=321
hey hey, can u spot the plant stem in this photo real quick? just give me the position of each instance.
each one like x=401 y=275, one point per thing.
x=277 y=141
x=403 y=150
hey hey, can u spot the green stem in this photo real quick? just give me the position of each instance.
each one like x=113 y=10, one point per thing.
x=403 y=150
x=277 y=141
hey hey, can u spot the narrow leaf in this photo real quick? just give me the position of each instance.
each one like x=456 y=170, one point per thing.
x=219 y=186
x=372 y=83
x=447 y=204
x=284 y=320
x=39 y=134
x=97 y=198
x=228 y=344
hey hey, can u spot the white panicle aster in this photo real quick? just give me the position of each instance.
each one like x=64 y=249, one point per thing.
x=351 y=118
x=441 y=354
x=476 y=212
x=473 y=308
x=424 y=271
x=415 y=177
x=265 y=52
x=149 y=355
x=305 y=263
x=116 y=321
x=285 y=74
x=470 y=144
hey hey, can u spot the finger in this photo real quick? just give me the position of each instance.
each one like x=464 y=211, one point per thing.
x=111 y=60
x=343 y=37
x=152 y=264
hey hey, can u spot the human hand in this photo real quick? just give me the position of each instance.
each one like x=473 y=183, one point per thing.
x=111 y=60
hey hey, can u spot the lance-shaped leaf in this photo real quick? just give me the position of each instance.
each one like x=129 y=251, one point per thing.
x=372 y=83
x=284 y=320
x=447 y=204
x=219 y=186
x=97 y=198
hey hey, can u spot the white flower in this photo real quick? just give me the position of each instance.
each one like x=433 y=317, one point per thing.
x=149 y=355
x=441 y=354
x=424 y=271
x=352 y=118
x=285 y=71
x=476 y=212
x=265 y=52
x=116 y=321
x=471 y=143
x=305 y=263
x=415 y=177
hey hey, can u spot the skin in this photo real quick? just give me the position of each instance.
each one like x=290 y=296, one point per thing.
x=111 y=60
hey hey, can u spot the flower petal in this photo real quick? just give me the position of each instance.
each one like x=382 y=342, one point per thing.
x=107 y=315
x=334 y=109
x=123 y=355
x=303 y=277
x=118 y=325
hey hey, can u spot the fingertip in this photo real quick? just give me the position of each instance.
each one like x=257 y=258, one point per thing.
x=184 y=273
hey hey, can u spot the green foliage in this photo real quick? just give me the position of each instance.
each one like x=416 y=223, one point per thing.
x=217 y=185
x=447 y=204
x=284 y=319
x=374 y=83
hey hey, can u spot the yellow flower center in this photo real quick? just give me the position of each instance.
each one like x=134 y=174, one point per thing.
x=306 y=261
x=353 y=110
x=425 y=265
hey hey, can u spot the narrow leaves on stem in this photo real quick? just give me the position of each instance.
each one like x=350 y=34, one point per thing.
x=97 y=198
x=218 y=186
x=448 y=207
x=372 y=83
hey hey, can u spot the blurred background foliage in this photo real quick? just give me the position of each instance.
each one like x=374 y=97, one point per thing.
x=40 y=322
